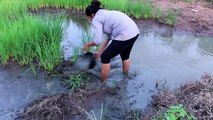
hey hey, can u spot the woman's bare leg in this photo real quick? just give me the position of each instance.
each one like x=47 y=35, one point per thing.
x=105 y=70
x=126 y=65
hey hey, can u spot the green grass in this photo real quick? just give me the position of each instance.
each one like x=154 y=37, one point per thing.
x=121 y=5
x=175 y=113
x=188 y=1
x=170 y=17
x=26 y=38
x=76 y=81
x=31 y=38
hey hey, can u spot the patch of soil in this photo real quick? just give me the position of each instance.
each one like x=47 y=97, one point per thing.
x=75 y=106
x=111 y=104
x=195 y=17
x=196 y=97
x=80 y=104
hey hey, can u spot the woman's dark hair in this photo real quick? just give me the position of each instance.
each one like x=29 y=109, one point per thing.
x=93 y=7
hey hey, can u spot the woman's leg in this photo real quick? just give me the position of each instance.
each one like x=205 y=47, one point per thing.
x=126 y=53
x=126 y=65
x=105 y=70
x=110 y=52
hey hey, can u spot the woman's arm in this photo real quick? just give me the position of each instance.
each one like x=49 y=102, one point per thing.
x=88 y=45
x=101 y=49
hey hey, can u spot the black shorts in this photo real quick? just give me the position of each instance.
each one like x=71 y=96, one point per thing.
x=118 y=47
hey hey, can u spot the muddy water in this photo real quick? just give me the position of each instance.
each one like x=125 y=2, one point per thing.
x=160 y=60
x=167 y=60
x=18 y=87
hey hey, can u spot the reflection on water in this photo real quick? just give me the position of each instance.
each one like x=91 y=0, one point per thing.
x=77 y=32
x=174 y=58
x=164 y=58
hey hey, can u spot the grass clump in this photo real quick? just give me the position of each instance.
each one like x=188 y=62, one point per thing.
x=76 y=81
x=171 y=17
x=189 y=1
x=175 y=112
x=31 y=38
x=168 y=17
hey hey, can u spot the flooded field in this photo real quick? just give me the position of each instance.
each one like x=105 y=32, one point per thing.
x=160 y=60
x=19 y=87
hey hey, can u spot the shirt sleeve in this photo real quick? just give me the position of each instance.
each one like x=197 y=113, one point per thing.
x=98 y=31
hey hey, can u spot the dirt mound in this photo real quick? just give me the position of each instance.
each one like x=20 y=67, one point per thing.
x=68 y=106
x=193 y=17
x=196 y=97
x=57 y=107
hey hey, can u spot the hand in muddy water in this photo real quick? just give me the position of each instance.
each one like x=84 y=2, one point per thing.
x=86 y=61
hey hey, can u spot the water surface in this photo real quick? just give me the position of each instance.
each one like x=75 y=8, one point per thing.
x=19 y=87
x=162 y=57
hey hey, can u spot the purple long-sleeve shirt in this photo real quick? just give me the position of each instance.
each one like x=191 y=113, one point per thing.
x=117 y=26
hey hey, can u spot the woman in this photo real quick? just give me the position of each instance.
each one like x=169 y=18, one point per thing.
x=119 y=28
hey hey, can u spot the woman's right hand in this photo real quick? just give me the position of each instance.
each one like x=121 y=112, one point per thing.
x=86 y=47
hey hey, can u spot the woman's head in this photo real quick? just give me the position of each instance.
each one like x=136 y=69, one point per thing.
x=93 y=8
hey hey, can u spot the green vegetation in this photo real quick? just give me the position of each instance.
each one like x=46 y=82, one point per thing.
x=76 y=81
x=175 y=113
x=27 y=38
x=136 y=115
x=170 y=17
x=30 y=38
x=189 y=1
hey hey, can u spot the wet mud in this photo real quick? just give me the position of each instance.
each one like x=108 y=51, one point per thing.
x=90 y=101
x=80 y=103
x=196 y=97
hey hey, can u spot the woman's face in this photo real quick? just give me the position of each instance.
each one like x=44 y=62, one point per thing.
x=90 y=17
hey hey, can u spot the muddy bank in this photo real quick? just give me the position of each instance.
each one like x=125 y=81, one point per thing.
x=89 y=101
x=83 y=104
x=193 y=18
x=196 y=97
x=109 y=103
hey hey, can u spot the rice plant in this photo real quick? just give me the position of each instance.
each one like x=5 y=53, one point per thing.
x=48 y=50
x=76 y=81
x=76 y=52
x=121 y=5
x=170 y=17
x=79 y=5
x=136 y=9
x=27 y=38
x=156 y=13
x=31 y=38
x=11 y=8
x=189 y=1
